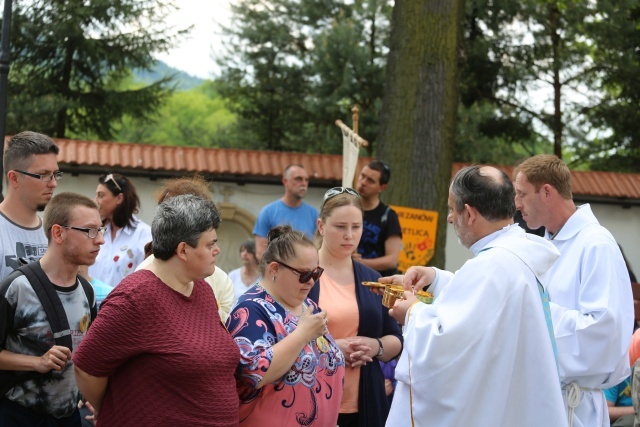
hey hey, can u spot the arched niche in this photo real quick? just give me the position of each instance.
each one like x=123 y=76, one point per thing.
x=237 y=226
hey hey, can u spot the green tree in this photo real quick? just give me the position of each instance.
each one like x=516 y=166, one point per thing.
x=197 y=117
x=418 y=125
x=294 y=67
x=70 y=58
x=561 y=77
x=616 y=38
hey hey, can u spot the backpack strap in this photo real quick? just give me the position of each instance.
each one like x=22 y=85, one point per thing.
x=56 y=316
x=91 y=296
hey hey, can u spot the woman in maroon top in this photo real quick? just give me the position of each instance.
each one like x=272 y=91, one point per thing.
x=158 y=354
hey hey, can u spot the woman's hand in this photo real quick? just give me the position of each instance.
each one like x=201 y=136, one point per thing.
x=312 y=325
x=358 y=350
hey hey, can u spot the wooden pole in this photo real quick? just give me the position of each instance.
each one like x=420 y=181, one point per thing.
x=355 y=118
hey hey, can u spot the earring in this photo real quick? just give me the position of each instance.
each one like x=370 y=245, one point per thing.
x=274 y=278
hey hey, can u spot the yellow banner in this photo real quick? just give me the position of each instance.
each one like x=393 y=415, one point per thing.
x=419 y=229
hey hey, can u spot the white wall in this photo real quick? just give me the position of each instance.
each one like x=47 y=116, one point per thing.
x=624 y=224
x=250 y=197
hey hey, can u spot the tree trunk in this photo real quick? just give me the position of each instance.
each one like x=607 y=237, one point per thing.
x=418 y=126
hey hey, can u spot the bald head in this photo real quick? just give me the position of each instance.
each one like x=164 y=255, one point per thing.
x=485 y=188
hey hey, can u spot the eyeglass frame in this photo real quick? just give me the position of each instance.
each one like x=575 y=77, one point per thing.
x=57 y=175
x=336 y=192
x=99 y=230
x=112 y=178
x=317 y=272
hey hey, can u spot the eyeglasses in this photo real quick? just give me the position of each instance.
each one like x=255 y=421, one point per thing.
x=112 y=179
x=92 y=233
x=304 y=276
x=57 y=175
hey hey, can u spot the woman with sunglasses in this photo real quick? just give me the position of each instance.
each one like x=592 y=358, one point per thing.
x=360 y=323
x=291 y=369
x=126 y=235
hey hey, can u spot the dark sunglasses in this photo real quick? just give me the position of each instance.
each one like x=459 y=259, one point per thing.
x=304 y=276
x=338 y=190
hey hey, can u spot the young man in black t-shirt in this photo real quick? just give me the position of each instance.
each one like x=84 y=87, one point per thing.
x=381 y=240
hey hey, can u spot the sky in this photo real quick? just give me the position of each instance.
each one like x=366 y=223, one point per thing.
x=194 y=54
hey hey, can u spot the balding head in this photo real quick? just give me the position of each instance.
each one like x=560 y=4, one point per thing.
x=485 y=188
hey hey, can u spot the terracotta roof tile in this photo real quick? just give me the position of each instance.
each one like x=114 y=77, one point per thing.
x=247 y=165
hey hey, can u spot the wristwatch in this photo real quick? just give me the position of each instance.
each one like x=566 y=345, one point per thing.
x=381 y=348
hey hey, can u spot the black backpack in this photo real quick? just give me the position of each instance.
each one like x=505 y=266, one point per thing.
x=56 y=316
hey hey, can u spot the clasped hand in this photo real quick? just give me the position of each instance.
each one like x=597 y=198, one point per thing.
x=358 y=350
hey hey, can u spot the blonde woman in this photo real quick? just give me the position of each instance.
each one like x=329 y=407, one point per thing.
x=360 y=323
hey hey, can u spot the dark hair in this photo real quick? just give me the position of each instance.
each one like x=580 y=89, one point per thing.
x=123 y=215
x=22 y=146
x=181 y=219
x=281 y=242
x=383 y=168
x=249 y=246
x=60 y=209
x=493 y=197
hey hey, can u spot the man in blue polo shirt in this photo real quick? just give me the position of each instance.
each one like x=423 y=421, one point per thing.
x=289 y=209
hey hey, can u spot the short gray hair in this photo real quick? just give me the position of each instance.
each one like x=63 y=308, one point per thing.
x=181 y=219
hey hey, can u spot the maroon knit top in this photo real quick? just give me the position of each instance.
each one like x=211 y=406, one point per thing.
x=169 y=359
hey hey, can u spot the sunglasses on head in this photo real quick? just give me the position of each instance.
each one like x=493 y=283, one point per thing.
x=112 y=179
x=338 y=190
x=304 y=276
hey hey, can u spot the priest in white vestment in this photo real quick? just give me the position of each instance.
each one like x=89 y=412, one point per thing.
x=589 y=289
x=482 y=354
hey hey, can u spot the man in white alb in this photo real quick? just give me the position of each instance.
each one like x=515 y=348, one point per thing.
x=589 y=289
x=482 y=354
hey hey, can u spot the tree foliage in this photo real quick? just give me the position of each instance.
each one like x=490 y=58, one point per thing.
x=197 y=118
x=293 y=67
x=554 y=73
x=70 y=57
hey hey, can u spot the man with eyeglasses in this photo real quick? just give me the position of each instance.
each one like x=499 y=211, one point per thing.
x=381 y=241
x=75 y=233
x=288 y=210
x=31 y=166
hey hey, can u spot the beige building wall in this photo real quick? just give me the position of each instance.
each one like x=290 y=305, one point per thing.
x=240 y=204
x=623 y=223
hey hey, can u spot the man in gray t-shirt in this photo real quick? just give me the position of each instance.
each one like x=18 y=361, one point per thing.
x=74 y=233
x=19 y=244
x=31 y=167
